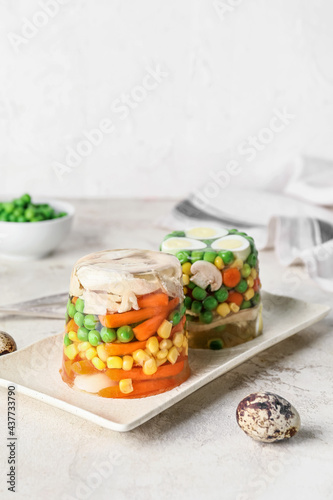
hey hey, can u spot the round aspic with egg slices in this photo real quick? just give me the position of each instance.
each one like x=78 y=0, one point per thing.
x=125 y=334
x=221 y=285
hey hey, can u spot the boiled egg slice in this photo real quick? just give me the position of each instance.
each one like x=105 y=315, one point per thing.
x=237 y=244
x=174 y=245
x=205 y=233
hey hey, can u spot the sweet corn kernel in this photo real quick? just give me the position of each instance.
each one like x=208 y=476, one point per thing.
x=249 y=294
x=223 y=309
x=250 y=281
x=91 y=353
x=149 y=367
x=238 y=264
x=98 y=363
x=166 y=344
x=140 y=356
x=185 y=290
x=234 y=307
x=127 y=363
x=101 y=352
x=82 y=355
x=173 y=355
x=114 y=362
x=83 y=346
x=254 y=273
x=187 y=268
x=72 y=335
x=219 y=263
x=186 y=279
x=153 y=345
x=162 y=354
x=160 y=362
x=178 y=339
x=71 y=351
x=164 y=330
x=126 y=386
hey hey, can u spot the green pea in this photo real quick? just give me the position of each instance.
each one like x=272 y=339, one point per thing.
x=233 y=231
x=38 y=218
x=12 y=218
x=94 y=337
x=79 y=305
x=4 y=217
x=199 y=293
x=90 y=321
x=71 y=310
x=26 y=199
x=219 y=328
x=196 y=255
x=206 y=317
x=215 y=344
x=174 y=234
x=8 y=207
x=252 y=260
x=82 y=334
x=18 y=212
x=183 y=256
x=242 y=286
x=246 y=304
x=30 y=213
x=61 y=214
x=175 y=317
x=67 y=341
x=210 y=303
x=79 y=318
x=209 y=257
x=256 y=299
x=221 y=295
x=108 y=334
x=196 y=306
x=226 y=256
x=21 y=218
x=246 y=271
x=208 y=242
x=188 y=302
x=125 y=334
x=191 y=285
x=242 y=233
x=182 y=309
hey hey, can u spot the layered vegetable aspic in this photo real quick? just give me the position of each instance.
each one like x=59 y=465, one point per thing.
x=221 y=285
x=125 y=334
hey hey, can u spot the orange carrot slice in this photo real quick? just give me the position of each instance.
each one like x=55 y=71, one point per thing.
x=113 y=349
x=163 y=371
x=149 y=327
x=83 y=367
x=256 y=285
x=74 y=299
x=71 y=326
x=126 y=318
x=231 y=277
x=235 y=297
x=153 y=300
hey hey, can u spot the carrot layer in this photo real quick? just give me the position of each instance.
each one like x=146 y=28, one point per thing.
x=113 y=349
x=235 y=297
x=231 y=277
x=71 y=326
x=137 y=373
x=153 y=300
x=83 y=367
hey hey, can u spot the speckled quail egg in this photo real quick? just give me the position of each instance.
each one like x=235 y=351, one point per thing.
x=7 y=343
x=267 y=417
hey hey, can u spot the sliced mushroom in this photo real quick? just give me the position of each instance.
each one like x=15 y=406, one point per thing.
x=205 y=273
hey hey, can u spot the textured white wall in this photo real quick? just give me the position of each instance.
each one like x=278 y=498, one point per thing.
x=224 y=69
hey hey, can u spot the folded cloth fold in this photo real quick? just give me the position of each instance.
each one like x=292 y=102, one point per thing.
x=299 y=231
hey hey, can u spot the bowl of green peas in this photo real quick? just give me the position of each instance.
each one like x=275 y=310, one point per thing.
x=32 y=228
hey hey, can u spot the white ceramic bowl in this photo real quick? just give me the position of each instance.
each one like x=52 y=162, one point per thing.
x=34 y=240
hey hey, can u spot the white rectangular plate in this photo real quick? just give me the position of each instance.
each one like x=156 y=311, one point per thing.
x=34 y=370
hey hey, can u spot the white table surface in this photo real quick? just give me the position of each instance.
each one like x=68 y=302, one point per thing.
x=194 y=450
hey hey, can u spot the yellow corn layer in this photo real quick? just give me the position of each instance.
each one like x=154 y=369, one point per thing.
x=173 y=355
x=98 y=363
x=149 y=367
x=82 y=355
x=72 y=335
x=114 y=362
x=140 y=356
x=238 y=264
x=127 y=363
x=186 y=279
x=223 y=309
x=71 y=351
x=91 y=353
x=166 y=344
x=83 y=346
x=219 y=262
x=178 y=339
x=249 y=294
x=160 y=362
x=250 y=281
x=153 y=345
x=126 y=386
x=162 y=354
x=102 y=353
x=234 y=307
x=185 y=290
x=164 y=330
x=254 y=273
